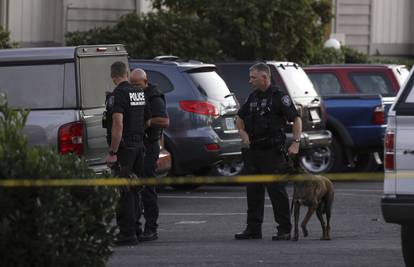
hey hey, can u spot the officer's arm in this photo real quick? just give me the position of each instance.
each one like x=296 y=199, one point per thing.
x=117 y=126
x=242 y=132
x=297 y=131
x=160 y=122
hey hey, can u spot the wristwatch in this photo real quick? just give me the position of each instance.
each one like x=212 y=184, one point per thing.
x=112 y=153
x=296 y=140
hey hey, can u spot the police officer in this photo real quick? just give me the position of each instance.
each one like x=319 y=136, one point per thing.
x=159 y=121
x=261 y=121
x=126 y=117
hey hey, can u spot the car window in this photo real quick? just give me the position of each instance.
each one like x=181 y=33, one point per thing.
x=95 y=79
x=405 y=104
x=401 y=72
x=209 y=83
x=237 y=79
x=296 y=81
x=159 y=79
x=33 y=86
x=372 y=83
x=326 y=83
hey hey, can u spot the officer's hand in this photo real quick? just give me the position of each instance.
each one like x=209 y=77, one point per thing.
x=111 y=160
x=293 y=148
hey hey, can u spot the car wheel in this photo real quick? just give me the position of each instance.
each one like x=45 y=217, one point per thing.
x=407 y=244
x=228 y=167
x=324 y=159
x=366 y=163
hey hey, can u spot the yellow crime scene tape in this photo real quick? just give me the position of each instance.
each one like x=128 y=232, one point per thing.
x=243 y=179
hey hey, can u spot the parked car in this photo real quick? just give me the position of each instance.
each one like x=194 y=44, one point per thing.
x=290 y=78
x=202 y=137
x=64 y=87
x=398 y=200
x=355 y=110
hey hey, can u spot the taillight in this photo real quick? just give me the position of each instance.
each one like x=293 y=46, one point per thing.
x=389 y=145
x=212 y=147
x=379 y=116
x=199 y=107
x=70 y=138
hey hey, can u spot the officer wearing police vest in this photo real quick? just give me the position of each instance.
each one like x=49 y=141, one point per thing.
x=159 y=121
x=126 y=117
x=261 y=122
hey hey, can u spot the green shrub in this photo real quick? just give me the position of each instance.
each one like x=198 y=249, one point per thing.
x=5 y=39
x=328 y=56
x=354 y=56
x=49 y=226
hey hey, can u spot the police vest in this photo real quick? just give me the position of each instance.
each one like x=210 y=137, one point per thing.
x=153 y=133
x=263 y=120
x=133 y=115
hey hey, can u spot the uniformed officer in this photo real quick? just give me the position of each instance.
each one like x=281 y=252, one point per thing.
x=127 y=115
x=261 y=122
x=159 y=121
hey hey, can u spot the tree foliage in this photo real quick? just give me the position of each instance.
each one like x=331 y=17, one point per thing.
x=219 y=30
x=49 y=226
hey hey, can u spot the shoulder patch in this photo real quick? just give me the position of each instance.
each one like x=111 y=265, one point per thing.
x=286 y=100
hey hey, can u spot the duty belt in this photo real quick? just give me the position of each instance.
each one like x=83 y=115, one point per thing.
x=266 y=142
x=133 y=138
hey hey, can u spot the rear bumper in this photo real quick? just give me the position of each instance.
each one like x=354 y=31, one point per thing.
x=398 y=209
x=312 y=139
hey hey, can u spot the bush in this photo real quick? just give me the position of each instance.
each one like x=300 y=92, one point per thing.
x=354 y=56
x=49 y=226
x=328 y=56
x=5 y=39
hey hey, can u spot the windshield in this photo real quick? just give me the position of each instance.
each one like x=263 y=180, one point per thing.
x=296 y=81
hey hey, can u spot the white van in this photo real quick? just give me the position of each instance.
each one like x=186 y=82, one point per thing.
x=398 y=200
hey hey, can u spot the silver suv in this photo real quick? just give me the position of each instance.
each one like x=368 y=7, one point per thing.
x=64 y=87
x=398 y=200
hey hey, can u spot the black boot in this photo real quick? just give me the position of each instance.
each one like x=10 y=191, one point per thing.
x=125 y=240
x=249 y=233
x=148 y=235
x=281 y=236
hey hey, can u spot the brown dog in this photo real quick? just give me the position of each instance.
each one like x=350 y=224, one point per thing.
x=317 y=193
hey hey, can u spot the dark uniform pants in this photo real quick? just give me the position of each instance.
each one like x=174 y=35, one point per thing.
x=131 y=159
x=149 y=194
x=269 y=161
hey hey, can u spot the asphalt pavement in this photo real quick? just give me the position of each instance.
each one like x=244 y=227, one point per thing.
x=197 y=229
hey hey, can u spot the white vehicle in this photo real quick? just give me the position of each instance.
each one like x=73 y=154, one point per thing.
x=398 y=200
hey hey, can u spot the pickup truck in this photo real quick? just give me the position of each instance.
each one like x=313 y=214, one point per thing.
x=397 y=203
x=356 y=97
x=64 y=88
x=291 y=78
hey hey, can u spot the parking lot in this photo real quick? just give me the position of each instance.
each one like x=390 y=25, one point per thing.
x=197 y=228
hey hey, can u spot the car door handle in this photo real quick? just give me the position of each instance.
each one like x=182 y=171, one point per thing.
x=408 y=151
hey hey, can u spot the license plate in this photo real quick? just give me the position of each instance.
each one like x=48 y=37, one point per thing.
x=314 y=115
x=230 y=124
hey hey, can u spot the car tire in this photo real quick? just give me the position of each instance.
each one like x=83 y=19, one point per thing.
x=228 y=168
x=324 y=159
x=366 y=163
x=407 y=244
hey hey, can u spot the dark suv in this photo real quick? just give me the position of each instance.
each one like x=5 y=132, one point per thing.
x=202 y=137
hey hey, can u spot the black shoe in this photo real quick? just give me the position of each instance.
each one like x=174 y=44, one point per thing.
x=148 y=235
x=249 y=233
x=281 y=236
x=125 y=240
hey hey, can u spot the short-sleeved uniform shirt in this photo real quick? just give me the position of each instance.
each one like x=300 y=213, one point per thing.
x=272 y=104
x=131 y=102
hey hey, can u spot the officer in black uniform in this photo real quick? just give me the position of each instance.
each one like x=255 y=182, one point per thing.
x=159 y=121
x=261 y=122
x=126 y=117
